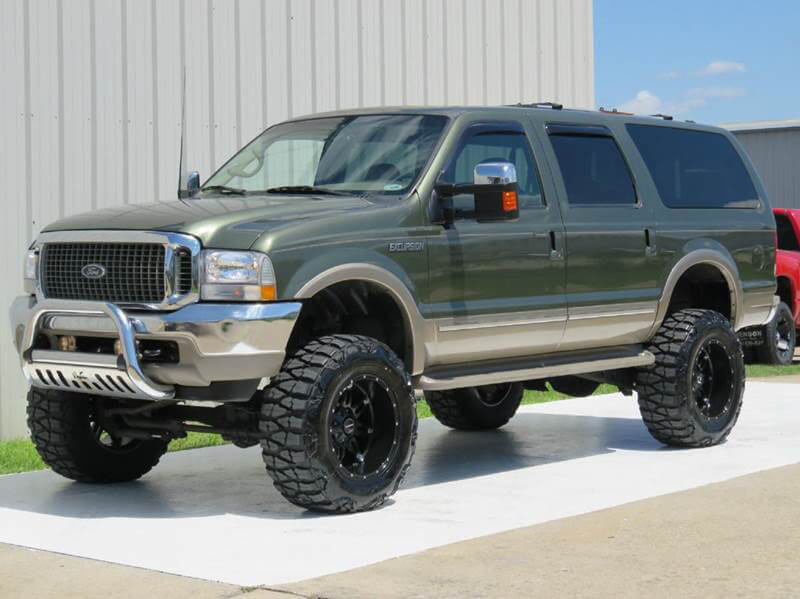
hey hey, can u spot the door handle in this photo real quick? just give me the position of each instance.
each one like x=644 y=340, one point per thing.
x=555 y=253
x=650 y=248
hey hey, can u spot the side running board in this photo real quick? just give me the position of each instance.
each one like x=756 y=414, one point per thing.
x=543 y=366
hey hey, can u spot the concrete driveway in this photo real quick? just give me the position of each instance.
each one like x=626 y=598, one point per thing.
x=211 y=513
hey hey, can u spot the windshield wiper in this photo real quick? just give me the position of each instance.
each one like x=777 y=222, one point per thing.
x=225 y=189
x=303 y=189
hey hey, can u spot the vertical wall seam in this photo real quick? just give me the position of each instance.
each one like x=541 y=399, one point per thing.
x=312 y=50
x=445 y=58
x=425 y=69
x=382 y=49
x=156 y=130
x=237 y=73
x=93 y=100
x=572 y=70
x=26 y=22
x=520 y=54
x=337 y=54
x=484 y=57
x=403 y=58
x=557 y=97
x=211 y=116
x=60 y=77
x=360 y=42
x=124 y=65
x=289 y=110
x=264 y=89
x=503 y=97
x=464 y=69
x=182 y=52
x=539 y=58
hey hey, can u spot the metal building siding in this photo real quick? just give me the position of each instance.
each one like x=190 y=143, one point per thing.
x=90 y=109
x=776 y=156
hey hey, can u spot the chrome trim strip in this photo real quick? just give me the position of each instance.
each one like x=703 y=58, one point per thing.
x=610 y=314
x=497 y=324
x=172 y=242
x=430 y=383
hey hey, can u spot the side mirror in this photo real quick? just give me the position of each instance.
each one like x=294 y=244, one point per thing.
x=191 y=186
x=494 y=186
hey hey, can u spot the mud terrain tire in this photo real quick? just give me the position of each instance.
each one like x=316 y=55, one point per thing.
x=779 y=338
x=66 y=432
x=476 y=408
x=692 y=395
x=329 y=396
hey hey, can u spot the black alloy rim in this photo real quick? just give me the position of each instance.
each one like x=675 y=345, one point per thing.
x=712 y=380
x=364 y=426
x=492 y=395
x=783 y=338
x=101 y=435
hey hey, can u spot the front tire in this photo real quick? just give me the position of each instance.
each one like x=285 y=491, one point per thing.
x=779 y=338
x=339 y=425
x=692 y=395
x=70 y=434
x=476 y=408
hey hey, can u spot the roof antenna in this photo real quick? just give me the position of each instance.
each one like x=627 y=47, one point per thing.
x=193 y=178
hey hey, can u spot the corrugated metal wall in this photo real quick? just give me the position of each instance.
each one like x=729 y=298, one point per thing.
x=776 y=157
x=90 y=102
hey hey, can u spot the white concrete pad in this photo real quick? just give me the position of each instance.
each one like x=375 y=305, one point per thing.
x=211 y=513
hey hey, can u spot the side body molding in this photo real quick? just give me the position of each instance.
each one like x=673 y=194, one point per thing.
x=724 y=264
x=416 y=328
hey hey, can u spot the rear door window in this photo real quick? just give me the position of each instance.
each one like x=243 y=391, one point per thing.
x=593 y=169
x=694 y=169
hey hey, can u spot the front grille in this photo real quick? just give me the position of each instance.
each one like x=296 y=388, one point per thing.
x=134 y=272
x=184 y=271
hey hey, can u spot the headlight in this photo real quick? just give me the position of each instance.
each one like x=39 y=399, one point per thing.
x=237 y=276
x=31 y=265
x=31 y=271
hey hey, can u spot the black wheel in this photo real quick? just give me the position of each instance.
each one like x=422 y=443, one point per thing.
x=779 y=338
x=692 y=395
x=71 y=433
x=476 y=408
x=339 y=425
x=574 y=386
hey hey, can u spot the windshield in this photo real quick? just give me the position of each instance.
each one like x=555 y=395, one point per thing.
x=382 y=153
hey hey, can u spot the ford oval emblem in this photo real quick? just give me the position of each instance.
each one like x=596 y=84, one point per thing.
x=93 y=271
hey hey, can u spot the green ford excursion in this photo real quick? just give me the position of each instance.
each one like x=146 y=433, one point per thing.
x=341 y=264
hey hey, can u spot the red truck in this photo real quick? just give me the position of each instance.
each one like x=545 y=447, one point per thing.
x=775 y=342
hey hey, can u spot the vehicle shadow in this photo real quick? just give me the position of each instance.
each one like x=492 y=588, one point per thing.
x=225 y=480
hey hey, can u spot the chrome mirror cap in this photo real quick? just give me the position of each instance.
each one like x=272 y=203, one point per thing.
x=494 y=173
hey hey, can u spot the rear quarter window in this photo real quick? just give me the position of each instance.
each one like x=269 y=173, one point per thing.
x=694 y=169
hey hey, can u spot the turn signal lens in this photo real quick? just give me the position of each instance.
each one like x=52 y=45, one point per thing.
x=509 y=201
x=268 y=293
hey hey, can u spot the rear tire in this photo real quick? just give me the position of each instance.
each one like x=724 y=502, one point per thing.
x=779 y=338
x=339 y=425
x=476 y=408
x=692 y=395
x=68 y=432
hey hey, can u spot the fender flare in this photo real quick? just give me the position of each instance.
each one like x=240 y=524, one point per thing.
x=414 y=324
x=722 y=263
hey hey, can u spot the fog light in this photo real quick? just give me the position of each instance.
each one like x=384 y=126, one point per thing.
x=67 y=343
x=118 y=347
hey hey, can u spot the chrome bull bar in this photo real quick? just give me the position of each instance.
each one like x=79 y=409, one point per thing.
x=99 y=374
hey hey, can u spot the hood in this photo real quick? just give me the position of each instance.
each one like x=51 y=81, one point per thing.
x=221 y=222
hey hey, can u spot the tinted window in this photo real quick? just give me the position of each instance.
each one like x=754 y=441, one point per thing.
x=593 y=170
x=493 y=146
x=787 y=240
x=694 y=169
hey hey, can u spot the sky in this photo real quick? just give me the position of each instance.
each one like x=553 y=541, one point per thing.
x=710 y=61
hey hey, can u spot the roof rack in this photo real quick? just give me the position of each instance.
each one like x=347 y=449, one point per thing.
x=553 y=105
x=615 y=111
x=666 y=117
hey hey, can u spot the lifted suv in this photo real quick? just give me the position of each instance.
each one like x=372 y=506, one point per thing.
x=340 y=261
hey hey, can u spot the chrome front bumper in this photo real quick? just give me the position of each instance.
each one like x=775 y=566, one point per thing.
x=216 y=342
